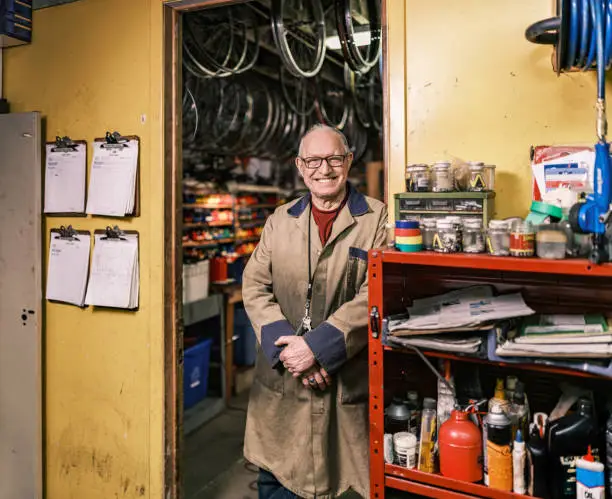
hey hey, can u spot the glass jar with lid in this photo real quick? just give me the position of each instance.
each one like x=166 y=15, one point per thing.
x=489 y=177
x=476 y=180
x=428 y=232
x=447 y=239
x=441 y=177
x=522 y=239
x=498 y=238
x=417 y=178
x=473 y=236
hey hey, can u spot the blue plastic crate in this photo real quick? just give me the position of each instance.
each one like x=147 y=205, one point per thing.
x=245 y=347
x=195 y=373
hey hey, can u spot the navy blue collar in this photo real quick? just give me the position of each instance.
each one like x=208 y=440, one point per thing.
x=356 y=203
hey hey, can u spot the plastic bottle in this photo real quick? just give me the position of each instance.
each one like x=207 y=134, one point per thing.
x=517 y=411
x=428 y=437
x=569 y=438
x=412 y=402
x=499 y=454
x=537 y=463
x=446 y=397
x=590 y=481
x=511 y=382
x=397 y=416
x=518 y=464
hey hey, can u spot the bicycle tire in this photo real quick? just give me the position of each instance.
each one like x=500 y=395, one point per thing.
x=304 y=106
x=375 y=102
x=279 y=32
x=346 y=32
x=324 y=113
x=361 y=97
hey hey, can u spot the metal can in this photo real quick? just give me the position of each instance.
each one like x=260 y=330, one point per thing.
x=498 y=465
x=522 y=239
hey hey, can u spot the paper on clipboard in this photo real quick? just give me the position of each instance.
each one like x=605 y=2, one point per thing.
x=65 y=172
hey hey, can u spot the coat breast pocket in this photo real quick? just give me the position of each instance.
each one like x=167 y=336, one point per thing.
x=272 y=379
x=356 y=271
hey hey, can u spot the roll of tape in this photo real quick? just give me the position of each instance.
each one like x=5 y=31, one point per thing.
x=409 y=240
x=406 y=224
x=407 y=232
x=409 y=248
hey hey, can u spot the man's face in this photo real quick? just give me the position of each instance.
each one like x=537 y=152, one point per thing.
x=328 y=180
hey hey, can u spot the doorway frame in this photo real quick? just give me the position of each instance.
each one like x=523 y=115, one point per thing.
x=394 y=151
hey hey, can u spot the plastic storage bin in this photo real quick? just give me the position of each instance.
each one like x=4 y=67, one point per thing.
x=195 y=373
x=196 y=281
x=245 y=346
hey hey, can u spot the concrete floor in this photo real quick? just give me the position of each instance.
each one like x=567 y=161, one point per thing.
x=213 y=464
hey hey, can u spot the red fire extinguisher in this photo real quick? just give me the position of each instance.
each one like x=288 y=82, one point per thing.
x=460 y=447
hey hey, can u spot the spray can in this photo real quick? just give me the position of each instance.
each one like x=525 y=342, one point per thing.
x=460 y=448
x=499 y=453
x=499 y=401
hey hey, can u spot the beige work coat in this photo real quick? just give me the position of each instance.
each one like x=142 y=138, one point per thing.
x=315 y=443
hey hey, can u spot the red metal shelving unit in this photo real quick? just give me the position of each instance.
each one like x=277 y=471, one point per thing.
x=395 y=278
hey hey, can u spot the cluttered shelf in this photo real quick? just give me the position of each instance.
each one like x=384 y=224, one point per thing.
x=437 y=480
x=581 y=267
x=212 y=242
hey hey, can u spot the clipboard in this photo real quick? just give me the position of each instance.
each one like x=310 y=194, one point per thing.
x=114 y=233
x=66 y=144
x=115 y=140
x=69 y=234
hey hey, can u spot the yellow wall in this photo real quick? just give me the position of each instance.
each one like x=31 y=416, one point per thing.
x=96 y=65
x=477 y=90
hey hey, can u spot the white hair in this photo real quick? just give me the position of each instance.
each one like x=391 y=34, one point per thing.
x=320 y=126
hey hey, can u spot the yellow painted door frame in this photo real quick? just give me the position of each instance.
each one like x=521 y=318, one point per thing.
x=394 y=154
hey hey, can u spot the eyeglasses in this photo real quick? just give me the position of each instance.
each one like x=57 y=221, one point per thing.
x=334 y=161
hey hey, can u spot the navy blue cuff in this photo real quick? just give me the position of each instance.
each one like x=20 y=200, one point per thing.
x=269 y=334
x=328 y=346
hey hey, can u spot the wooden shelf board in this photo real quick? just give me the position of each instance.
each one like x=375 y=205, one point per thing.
x=579 y=267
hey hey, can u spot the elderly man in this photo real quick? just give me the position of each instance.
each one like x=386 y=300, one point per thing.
x=305 y=290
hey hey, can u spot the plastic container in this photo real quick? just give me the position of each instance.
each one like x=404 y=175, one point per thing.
x=489 y=177
x=590 y=479
x=476 y=178
x=569 y=438
x=473 y=236
x=428 y=233
x=552 y=241
x=397 y=416
x=460 y=448
x=518 y=464
x=404 y=445
x=522 y=239
x=498 y=238
x=447 y=238
x=427 y=458
x=441 y=177
x=417 y=178
x=537 y=464
x=195 y=373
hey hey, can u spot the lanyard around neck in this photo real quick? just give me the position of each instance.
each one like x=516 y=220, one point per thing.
x=310 y=275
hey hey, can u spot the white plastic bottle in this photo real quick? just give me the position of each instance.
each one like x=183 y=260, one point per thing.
x=518 y=464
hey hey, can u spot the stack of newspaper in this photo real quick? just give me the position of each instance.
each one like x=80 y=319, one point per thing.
x=470 y=309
